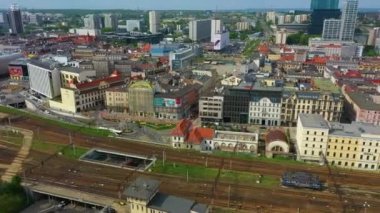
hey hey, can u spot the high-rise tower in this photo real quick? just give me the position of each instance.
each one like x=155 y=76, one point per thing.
x=348 y=20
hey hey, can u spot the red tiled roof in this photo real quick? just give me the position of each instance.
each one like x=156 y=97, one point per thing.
x=197 y=135
x=287 y=57
x=114 y=77
x=276 y=135
x=182 y=129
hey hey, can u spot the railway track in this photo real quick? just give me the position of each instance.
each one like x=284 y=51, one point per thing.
x=57 y=135
x=106 y=181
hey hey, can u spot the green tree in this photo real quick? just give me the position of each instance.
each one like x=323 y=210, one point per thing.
x=12 y=196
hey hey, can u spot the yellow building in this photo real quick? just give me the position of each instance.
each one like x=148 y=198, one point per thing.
x=117 y=99
x=143 y=197
x=73 y=74
x=85 y=96
x=140 y=98
x=351 y=146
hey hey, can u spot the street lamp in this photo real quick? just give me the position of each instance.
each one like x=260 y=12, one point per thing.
x=366 y=205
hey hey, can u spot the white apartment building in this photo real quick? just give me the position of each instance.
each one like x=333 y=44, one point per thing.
x=211 y=109
x=271 y=16
x=281 y=36
x=235 y=141
x=265 y=112
x=312 y=137
x=44 y=78
x=154 y=22
x=331 y=29
x=133 y=25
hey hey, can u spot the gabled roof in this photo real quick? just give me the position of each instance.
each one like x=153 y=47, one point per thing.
x=197 y=135
x=182 y=129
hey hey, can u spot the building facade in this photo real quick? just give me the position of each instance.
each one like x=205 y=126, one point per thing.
x=44 y=78
x=200 y=30
x=181 y=58
x=154 y=22
x=331 y=29
x=329 y=105
x=117 y=99
x=85 y=96
x=14 y=20
x=235 y=141
x=133 y=25
x=348 y=20
x=350 y=146
x=140 y=98
x=312 y=137
x=211 y=109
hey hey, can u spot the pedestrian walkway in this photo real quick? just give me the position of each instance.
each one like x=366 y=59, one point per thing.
x=16 y=166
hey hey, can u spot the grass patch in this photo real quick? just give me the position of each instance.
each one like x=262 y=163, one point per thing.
x=12 y=137
x=252 y=157
x=69 y=126
x=326 y=85
x=67 y=151
x=209 y=174
x=157 y=126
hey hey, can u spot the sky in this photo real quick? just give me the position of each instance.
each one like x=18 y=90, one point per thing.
x=168 y=4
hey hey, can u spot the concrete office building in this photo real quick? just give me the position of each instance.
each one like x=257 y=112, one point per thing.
x=331 y=29
x=281 y=19
x=271 y=17
x=117 y=99
x=14 y=20
x=92 y=22
x=373 y=35
x=281 y=36
x=181 y=58
x=200 y=30
x=211 y=109
x=216 y=28
x=348 y=20
x=154 y=22
x=243 y=25
x=133 y=25
x=110 y=21
x=44 y=78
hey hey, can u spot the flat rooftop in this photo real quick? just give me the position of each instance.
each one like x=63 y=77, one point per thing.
x=142 y=188
x=354 y=129
x=313 y=121
x=364 y=101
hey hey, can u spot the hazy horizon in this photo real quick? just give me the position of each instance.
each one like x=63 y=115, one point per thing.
x=170 y=4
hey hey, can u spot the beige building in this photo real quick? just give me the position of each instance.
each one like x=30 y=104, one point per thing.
x=243 y=25
x=79 y=97
x=327 y=104
x=72 y=74
x=143 y=196
x=312 y=137
x=351 y=146
x=140 y=98
x=117 y=99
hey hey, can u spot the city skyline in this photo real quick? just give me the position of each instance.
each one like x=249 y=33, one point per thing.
x=169 y=4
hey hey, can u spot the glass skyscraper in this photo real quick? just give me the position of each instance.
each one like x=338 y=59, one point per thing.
x=324 y=4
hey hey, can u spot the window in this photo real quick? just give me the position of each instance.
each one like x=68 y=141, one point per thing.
x=354 y=156
x=334 y=154
x=315 y=133
x=305 y=152
x=352 y=164
x=312 y=152
x=323 y=133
